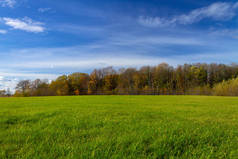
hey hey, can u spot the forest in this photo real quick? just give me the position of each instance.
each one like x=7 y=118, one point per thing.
x=164 y=79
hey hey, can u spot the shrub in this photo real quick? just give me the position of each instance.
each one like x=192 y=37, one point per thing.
x=227 y=88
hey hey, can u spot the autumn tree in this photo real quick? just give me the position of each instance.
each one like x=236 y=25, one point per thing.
x=2 y=93
x=95 y=81
x=126 y=82
x=160 y=79
x=60 y=86
x=78 y=83
x=23 y=87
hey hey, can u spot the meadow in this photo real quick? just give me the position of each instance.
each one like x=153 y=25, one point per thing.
x=119 y=127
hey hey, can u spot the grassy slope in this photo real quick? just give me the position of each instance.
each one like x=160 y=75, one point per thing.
x=119 y=127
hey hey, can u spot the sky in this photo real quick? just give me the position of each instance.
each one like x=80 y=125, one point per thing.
x=44 y=39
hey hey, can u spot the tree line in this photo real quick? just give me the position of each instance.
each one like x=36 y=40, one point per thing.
x=162 y=79
x=5 y=93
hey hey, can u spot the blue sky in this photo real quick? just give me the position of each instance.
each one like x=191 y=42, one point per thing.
x=44 y=39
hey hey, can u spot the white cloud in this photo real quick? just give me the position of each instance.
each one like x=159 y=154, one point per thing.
x=217 y=11
x=90 y=62
x=10 y=79
x=154 y=40
x=42 y=10
x=119 y=50
x=8 y=83
x=7 y=3
x=25 y=24
x=3 y=31
x=97 y=62
x=27 y=75
x=154 y=21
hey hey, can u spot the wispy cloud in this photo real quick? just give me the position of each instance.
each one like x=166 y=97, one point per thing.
x=43 y=10
x=98 y=62
x=220 y=11
x=9 y=79
x=216 y=11
x=154 y=40
x=6 y=82
x=26 y=75
x=25 y=24
x=3 y=31
x=120 y=51
x=155 y=21
x=7 y=3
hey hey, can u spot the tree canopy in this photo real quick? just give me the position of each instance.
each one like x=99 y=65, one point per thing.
x=162 y=79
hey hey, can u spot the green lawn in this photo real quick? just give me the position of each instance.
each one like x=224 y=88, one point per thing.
x=119 y=127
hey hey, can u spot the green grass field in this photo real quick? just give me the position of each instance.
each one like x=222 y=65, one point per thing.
x=119 y=127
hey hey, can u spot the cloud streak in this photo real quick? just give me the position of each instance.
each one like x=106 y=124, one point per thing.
x=25 y=24
x=98 y=62
x=3 y=31
x=7 y=3
x=43 y=10
x=9 y=79
x=220 y=11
